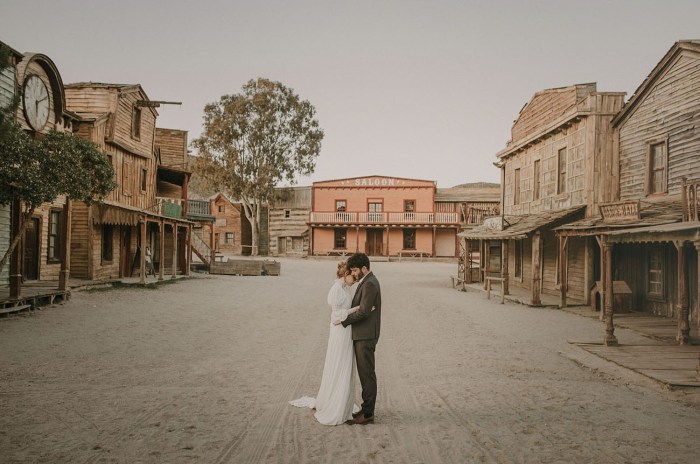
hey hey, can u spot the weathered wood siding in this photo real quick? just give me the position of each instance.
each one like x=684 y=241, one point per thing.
x=669 y=109
x=7 y=93
x=48 y=270
x=229 y=220
x=173 y=147
x=121 y=129
x=80 y=240
x=292 y=229
x=590 y=162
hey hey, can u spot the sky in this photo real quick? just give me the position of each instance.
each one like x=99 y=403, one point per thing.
x=416 y=89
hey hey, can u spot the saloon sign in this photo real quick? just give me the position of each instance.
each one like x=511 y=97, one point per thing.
x=375 y=182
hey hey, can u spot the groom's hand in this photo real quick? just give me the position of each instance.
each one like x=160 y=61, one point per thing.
x=336 y=322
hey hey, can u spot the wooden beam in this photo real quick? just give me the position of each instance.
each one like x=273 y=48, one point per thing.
x=175 y=251
x=15 y=259
x=536 y=277
x=562 y=269
x=467 y=261
x=188 y=250
x=161 y=264
x=504 y=267
x=142 y=251
x=683 y=335
x=487 y=262
x=610 y=339
x=65 y=246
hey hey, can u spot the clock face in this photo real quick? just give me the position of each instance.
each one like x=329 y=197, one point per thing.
x=36 y=102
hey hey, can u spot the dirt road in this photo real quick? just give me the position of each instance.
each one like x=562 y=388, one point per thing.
x=201 y=371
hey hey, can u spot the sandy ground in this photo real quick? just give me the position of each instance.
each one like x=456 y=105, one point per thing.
x=201 y=371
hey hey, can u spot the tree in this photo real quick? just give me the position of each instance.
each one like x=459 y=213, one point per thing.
x=254 y=140
x=33 y=172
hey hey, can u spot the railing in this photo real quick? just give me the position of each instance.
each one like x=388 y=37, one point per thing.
x=689 y=198
x=383 y=218
x=198 y=207
x=170 y=207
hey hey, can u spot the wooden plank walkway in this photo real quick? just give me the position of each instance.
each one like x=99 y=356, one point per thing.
x=672 y=365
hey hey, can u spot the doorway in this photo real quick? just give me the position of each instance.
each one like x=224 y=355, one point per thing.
x=375 y=238
x=32 y=249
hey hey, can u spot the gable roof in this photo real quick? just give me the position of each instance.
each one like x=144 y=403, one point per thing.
x=690 y=47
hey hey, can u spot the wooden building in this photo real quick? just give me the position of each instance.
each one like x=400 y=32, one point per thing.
x=42 y=253
x=230 y=228
x=380 y=216
x=110 y=238
x=552 y=172
x=8 y=91
x=651 y=236
x=287 y=221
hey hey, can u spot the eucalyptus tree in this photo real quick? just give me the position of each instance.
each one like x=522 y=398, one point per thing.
x=254 y=140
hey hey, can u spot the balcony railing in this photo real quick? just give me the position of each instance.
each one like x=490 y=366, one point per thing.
x=383 y=218
x=198 y=207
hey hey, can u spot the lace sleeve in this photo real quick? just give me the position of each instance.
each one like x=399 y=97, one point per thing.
x=336 y=295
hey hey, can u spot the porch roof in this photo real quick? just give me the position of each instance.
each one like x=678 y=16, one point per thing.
x=689 y=231
x=108 y=212
x=519 y=227
x=654 y=212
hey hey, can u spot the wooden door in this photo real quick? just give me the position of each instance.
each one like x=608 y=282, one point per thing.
x=374 y=242
x=282 y=245
x=125 y=252
x=182 y=250
x=32 y=247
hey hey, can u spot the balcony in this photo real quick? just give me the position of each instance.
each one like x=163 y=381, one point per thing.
x=199 y=210
x=169 y=207
x=347 y=218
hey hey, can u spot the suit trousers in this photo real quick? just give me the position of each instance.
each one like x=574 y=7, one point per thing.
x=364 y=357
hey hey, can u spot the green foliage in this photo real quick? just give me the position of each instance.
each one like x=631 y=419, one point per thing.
x=38 y=171
x=254 y=140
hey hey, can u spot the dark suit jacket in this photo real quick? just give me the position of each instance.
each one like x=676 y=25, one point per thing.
x=365 y=322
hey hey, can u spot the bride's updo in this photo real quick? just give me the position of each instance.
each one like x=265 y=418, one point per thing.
x=343 y=269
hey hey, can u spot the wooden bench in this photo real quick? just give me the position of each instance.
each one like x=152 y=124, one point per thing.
x=488 y=287
x=15 y=309
x=412 y=254
x=457 y=280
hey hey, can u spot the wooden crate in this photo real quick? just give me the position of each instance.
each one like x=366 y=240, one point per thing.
x=244 y=267
x=271 y=268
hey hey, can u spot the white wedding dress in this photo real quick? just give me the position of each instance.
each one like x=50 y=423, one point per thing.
x=334 y=402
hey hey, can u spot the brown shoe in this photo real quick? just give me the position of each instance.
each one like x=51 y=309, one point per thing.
x=361 y=420
x=356 y=414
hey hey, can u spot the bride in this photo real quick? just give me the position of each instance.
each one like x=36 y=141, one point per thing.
x=334 y=402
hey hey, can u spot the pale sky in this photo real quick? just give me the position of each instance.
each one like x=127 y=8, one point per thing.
x=417 y=89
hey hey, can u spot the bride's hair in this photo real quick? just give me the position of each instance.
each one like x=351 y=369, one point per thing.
x=343 y=269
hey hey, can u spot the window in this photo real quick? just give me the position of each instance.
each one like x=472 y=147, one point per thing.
x=287 y=213
x=222 y=208
x=136 y=122
x=536 y=181
x=340 y=239
x=375 y=210
x=656 y=277
x=53 y=253
x=230 y=238
x=409 y=206
x=340 y=206
x=518 y=259
x=144 y=179
x=656 y=168
x=561 y=179
x=516 y=188
x=107 y=242
x=409 y=239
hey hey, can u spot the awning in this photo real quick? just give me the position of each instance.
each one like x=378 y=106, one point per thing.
x=122 y=215
x=684 y=231
x=519 y=227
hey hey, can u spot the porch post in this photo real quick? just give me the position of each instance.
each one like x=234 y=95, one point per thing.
x=610 y=339
x=142 y=253
x=697 y=304
x=161 y=264
x=536 y=259
x=65 y=246
x=504 y=266
x=601 y=239
x=357 y=239
x=487 y=262
x=387 y=241
x=562 y=269
x=683 y=327
x=467 y=262
x=15 y=259
x=434 y=234
x=212 y=245
x=188 y=250
x=174 y=250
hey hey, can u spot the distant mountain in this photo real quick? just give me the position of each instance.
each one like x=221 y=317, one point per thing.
x=478 y=185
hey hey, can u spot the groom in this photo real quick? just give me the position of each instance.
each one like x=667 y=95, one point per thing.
x=365 y=333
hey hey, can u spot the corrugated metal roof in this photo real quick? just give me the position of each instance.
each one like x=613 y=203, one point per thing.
x=519 y=227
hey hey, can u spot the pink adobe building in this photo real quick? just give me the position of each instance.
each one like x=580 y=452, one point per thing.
x=380 y=216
